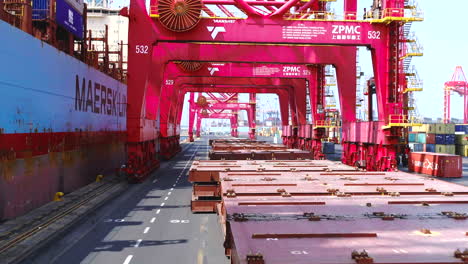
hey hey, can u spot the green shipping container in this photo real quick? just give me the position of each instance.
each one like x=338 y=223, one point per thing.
x=430 y=128
x=421 y=138
x=449 y=128
x=440 y=129
x=461 y=139
x=445 y=128
x=412 y=137
x=447 y=149
x=461 y=150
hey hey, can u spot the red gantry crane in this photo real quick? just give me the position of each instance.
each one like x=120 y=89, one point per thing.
x=272 y=32
x=458 y=84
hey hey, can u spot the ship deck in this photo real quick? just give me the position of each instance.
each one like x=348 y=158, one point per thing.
x=152 y=222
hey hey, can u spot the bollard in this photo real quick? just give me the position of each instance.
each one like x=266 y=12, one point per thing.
x=99 y=178
x=58 y=197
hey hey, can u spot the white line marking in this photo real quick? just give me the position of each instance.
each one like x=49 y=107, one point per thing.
x=155 y=180
x=146 y=230
x=162 y=204
x=169 y=193
x=172 y=189
x=153 y=219
x=158 y=211
x=174 y=185
x=165 y=199
x=128 y=259
x=138 y=243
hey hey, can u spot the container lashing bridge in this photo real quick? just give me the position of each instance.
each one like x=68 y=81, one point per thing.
x=291 y=32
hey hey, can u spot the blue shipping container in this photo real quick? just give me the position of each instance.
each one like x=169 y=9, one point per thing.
x=40 y=9
x=440 y=139
x=69 y=18
x=459 y=128
x=328 y=148
x=418 y=147
x=430 y=147
x=412 y=137
x=450 y=139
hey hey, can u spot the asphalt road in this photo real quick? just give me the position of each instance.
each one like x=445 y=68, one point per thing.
x=150 y=223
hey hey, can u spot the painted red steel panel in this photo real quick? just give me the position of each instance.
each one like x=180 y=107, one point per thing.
x=422 y=224
x=287 y=131
x=258 y=155
x=400 y=241
x=237 y=146
x=309 y=131
x=209 y=170
x=326 y=183
x=234 y=140
x=436 y=164
x=365 y=132
x=302 y=131
x=316 y=213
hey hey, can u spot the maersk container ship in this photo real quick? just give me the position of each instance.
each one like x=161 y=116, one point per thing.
x=62 y=121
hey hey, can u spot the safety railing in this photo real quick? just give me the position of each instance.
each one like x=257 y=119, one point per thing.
x=395 y=14
x=358 y=71
x=411 y=49
x=359 y=101
x=403 y=121
x=411 y=104
x=414 y=83
x=326 y=123
x=230 y=11
x=414 y=46
x=329 y=92
x=153 y=11
x=10 y=18
x=313 y=15
x=12 y=11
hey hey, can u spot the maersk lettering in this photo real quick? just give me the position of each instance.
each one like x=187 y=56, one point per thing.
x=89 y=97
x=99 y=99
x=109 y=101
x=80 y=97
x=97 y=87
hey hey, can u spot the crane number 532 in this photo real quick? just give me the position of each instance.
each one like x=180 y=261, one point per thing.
x=373 y=34
x=141 y=49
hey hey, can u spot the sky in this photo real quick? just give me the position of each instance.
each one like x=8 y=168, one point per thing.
x=445 y=43
x=443 y=36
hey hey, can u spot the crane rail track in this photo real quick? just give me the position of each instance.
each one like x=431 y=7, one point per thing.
x=29 y=232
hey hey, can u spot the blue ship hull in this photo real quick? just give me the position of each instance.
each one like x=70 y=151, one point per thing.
x=62 y=122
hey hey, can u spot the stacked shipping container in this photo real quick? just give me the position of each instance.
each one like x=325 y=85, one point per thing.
x=461 y=140
x=439 y=138
x=67 y=13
